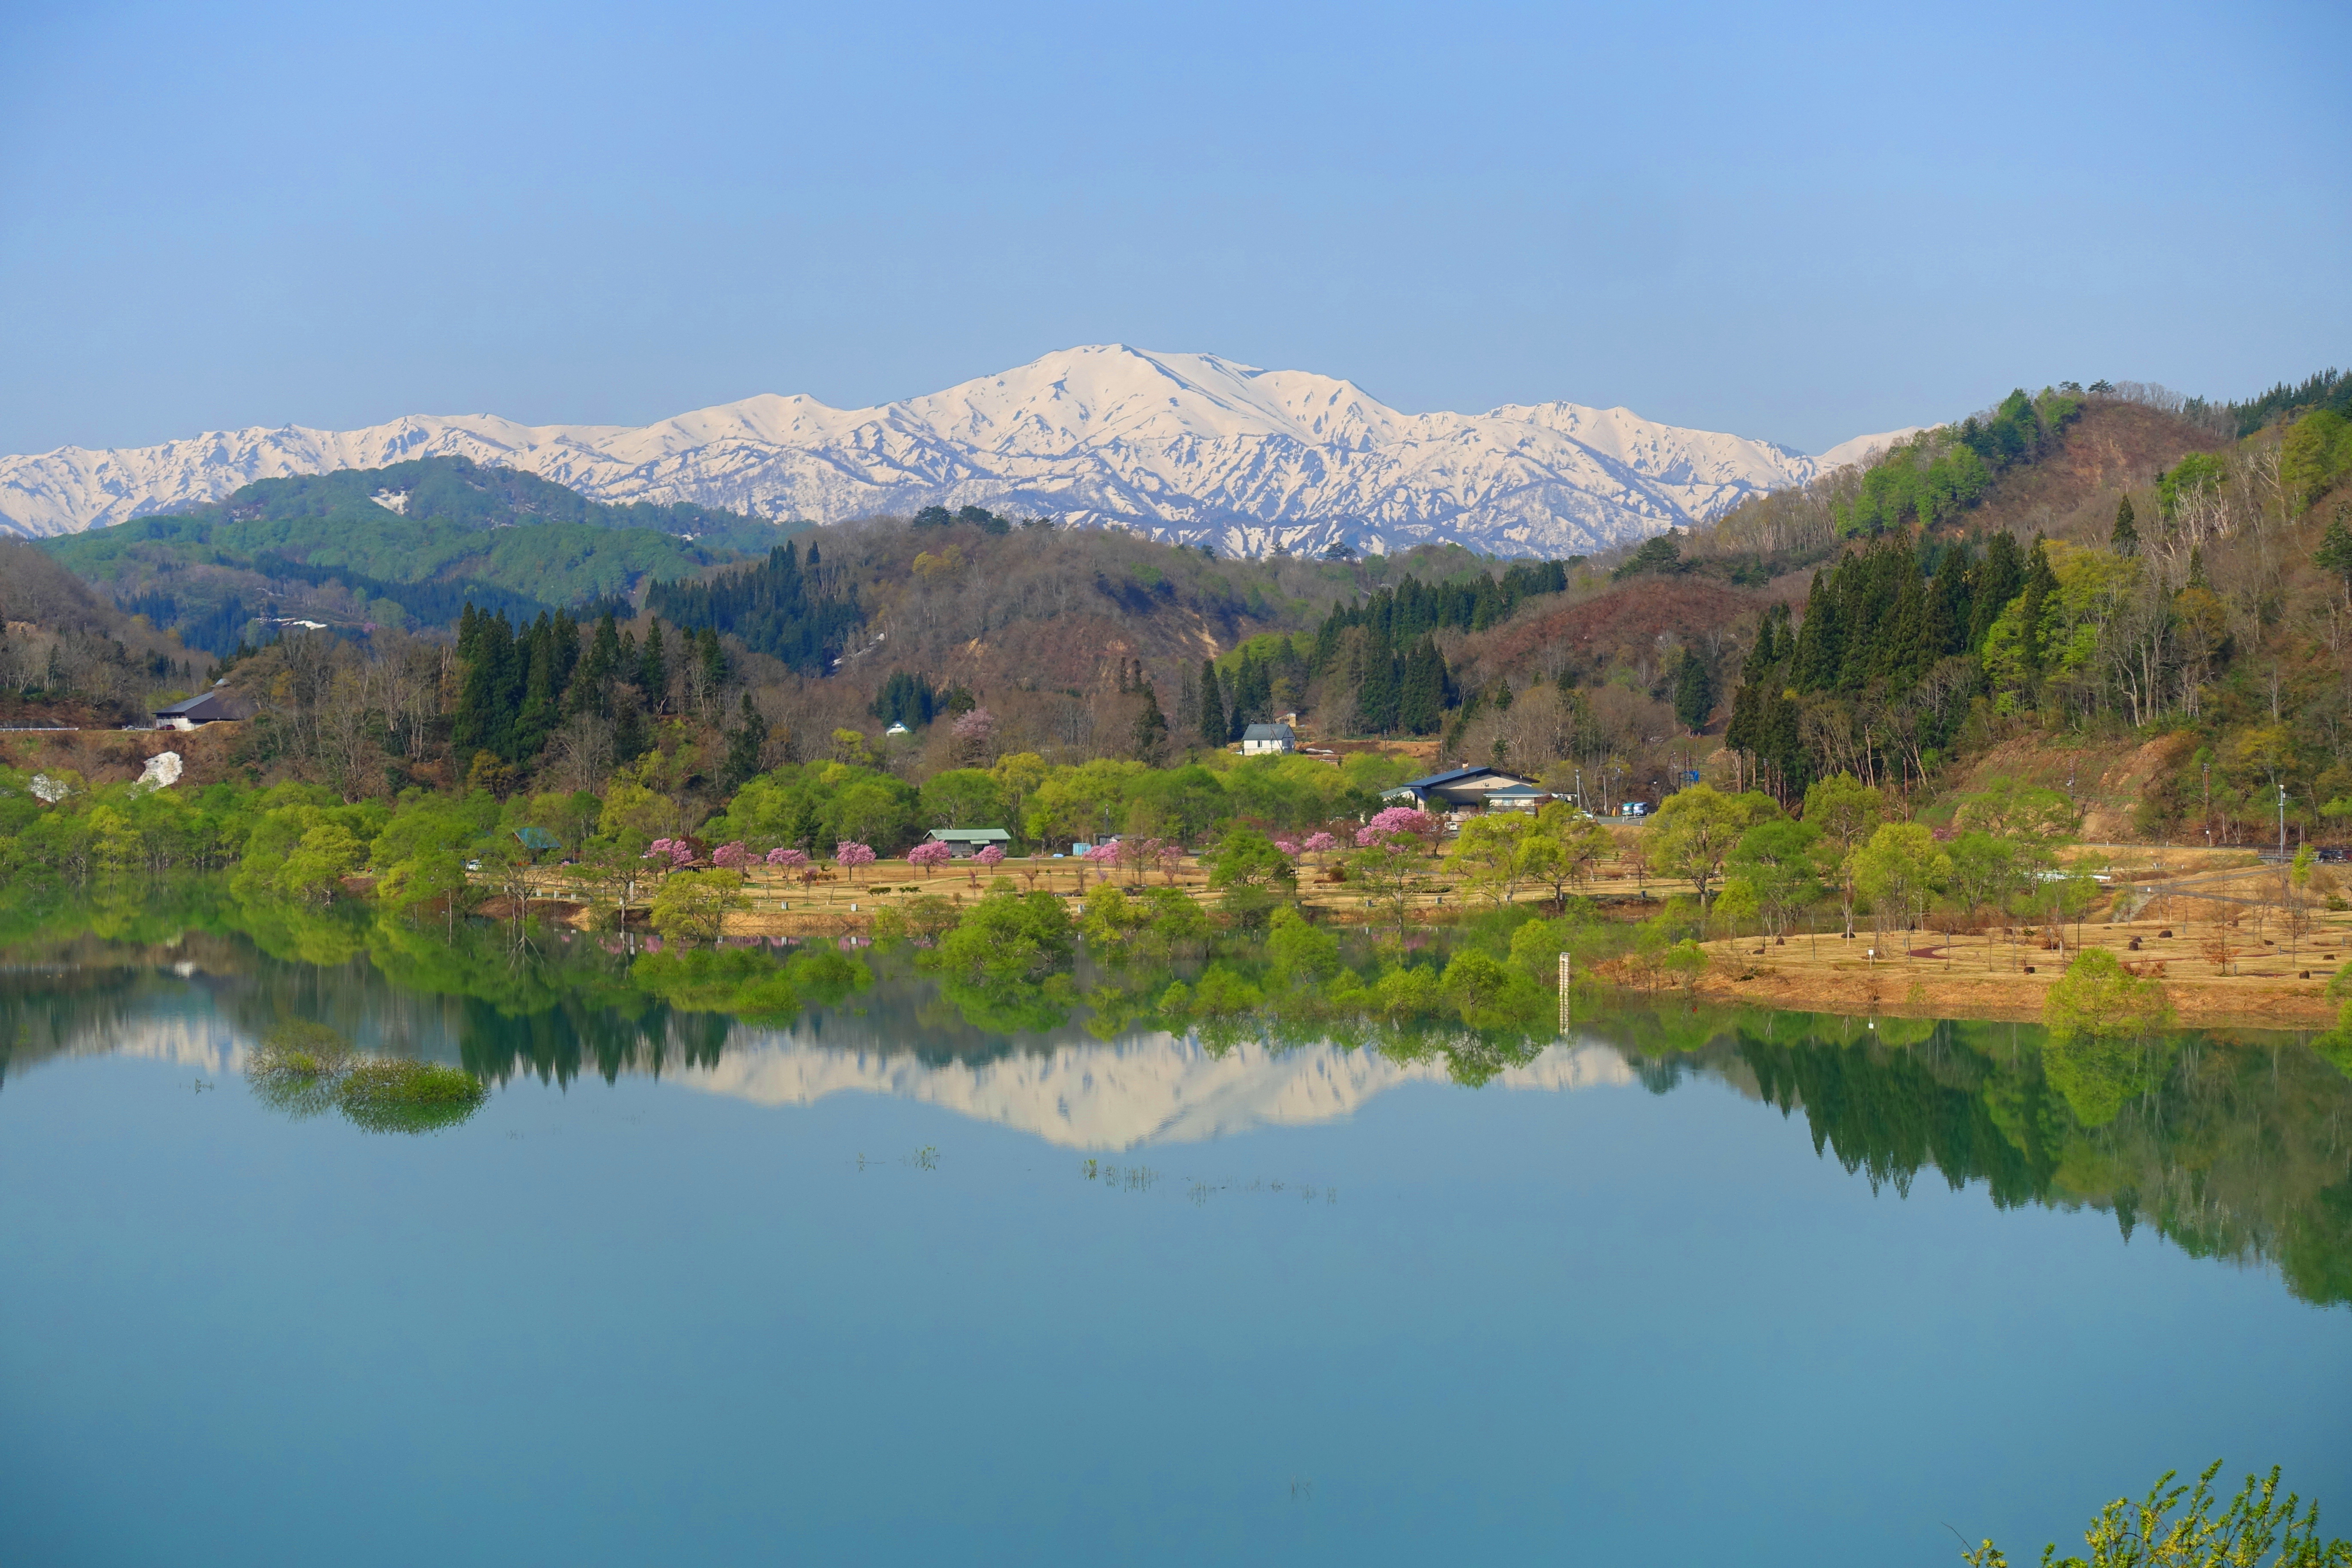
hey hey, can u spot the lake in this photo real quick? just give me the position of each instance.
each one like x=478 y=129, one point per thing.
x=874 y=1282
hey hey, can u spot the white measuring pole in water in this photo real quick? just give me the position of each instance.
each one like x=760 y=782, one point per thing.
x=1563 y=993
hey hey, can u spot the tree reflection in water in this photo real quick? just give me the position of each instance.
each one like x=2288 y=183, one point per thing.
x=2230 y=1146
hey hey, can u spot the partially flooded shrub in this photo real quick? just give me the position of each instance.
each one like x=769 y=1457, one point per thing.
x=401 y=1096
x=305 y=1069
x=297 y=1066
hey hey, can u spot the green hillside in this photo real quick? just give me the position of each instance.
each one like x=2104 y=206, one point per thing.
x=446 y=530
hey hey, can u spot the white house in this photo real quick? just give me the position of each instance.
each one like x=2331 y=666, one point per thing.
x=1269 y=739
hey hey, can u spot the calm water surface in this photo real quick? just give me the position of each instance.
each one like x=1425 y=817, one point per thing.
x=875 y=1284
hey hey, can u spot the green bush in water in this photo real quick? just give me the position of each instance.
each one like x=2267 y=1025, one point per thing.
x=304 y=1068
x=298 y=1067
x=398 y=1096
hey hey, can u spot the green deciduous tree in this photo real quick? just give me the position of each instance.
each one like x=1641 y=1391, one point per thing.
x=2096 y=997
x=1486 y=854
x=1899 y=870
x=1697 y=829
x=692 y=906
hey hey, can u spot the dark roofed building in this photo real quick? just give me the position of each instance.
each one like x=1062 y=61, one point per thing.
x=1459 y=789
x=204 y=709
x=1269 y=739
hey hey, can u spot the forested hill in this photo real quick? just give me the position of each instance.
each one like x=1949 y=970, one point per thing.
x=2133 y=573
x=988 y=602
x=410 y=544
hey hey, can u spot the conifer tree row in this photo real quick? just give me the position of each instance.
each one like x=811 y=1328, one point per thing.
x=1397 y=615
x=516 y=686
x=1878 y=624
x=1400 y=678
x=778 y=606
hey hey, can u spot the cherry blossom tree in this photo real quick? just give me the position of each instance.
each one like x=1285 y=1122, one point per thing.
x=792 y=860
x=973 y=730
x=930 y=856
x=1099 y=856
x=850 y=854
x=732 y=857
x=1318 y=844
x=989 y=857
x=676 y=851
x=1401 y=821
x=1136 y=854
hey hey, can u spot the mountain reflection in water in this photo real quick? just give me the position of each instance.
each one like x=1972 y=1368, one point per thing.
x=2237 y=1148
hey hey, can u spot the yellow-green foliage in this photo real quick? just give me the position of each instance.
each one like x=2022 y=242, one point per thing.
x=690 y=906
x=2095 y=997
x=2091 y=583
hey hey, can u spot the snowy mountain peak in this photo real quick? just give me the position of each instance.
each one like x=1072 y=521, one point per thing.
x=1187 y=447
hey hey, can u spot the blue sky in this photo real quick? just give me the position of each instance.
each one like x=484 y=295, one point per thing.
x=1795 y=222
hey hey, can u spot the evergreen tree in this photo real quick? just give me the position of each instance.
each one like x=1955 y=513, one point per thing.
x=1421 y=699
x=488 y=694
x=778 y=607
x=592 y=689
x=1996 y=580
x=1377 y=696
x=1947 y=607
x=1900 y=653
x=540 y=663
x=744 y=743
x=1693 y=692
x=630 y=741
x=2335 y=552
x=653 y=670
x=1212 y=705
x=1151 y=727
x=1820 y=642
x=2041 y=582
x=713 y=659
x=2126 y=536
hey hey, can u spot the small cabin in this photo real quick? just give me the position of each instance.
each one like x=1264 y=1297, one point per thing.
x=964 y=841
x=206 y=708
x=1269 y=741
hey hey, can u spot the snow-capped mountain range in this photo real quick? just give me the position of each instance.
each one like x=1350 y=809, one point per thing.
x=1187 y=447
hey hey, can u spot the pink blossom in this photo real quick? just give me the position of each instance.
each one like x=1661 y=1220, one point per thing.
x=990 y=854
x=850 y=854
x=930 y=856
x=1403 y=819
x=1288 y=846
x=1102 y=852
x=1318 y=842
x=975 y=726
x=676 y=851
x=783 y=857
x=733 y=856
